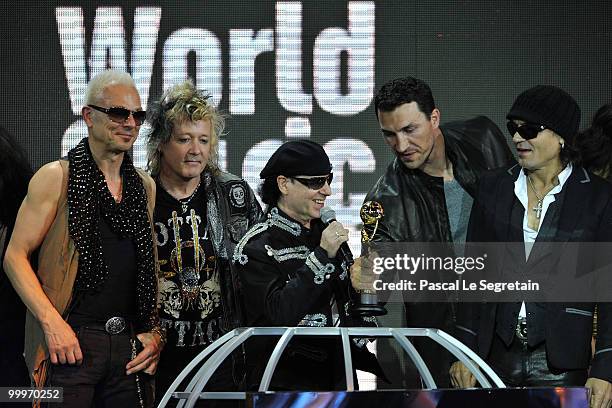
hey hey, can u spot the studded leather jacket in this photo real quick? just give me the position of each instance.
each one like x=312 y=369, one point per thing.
x=413 y=202
x=231 y=210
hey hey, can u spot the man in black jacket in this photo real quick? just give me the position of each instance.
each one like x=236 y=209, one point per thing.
x=426 y=192
x=291 y=274
x=546 y=198
x=201 y=213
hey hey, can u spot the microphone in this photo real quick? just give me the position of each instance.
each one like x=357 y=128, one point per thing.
x=344 y=252
x=368 y=301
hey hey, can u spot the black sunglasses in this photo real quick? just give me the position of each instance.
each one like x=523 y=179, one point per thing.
x=119 y=114
x=526 y=130
x=315 y=183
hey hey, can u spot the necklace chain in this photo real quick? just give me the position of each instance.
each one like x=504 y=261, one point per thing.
x=117 y=197
x=539 y=206
x=534 y=190
x=184 y=201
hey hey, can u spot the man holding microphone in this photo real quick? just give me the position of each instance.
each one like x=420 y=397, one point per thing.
x=292 y=274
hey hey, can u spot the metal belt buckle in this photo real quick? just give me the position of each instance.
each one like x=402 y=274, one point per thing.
x=115 y=325
x=521 y=329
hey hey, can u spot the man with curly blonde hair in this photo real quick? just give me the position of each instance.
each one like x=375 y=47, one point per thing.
x=201 y=213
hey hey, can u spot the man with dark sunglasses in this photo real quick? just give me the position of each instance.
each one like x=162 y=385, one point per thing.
x=527 y=131
x=426 y=191
x=92 y=327
x=546 y=198
x=315 y=183
x=291 y=275
x=119 y=114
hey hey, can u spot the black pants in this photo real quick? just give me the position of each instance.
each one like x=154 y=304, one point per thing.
x=522 y=366
x=438 y=316
x=100 y=380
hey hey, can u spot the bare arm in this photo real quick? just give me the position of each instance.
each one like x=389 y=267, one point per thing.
x=33 y=222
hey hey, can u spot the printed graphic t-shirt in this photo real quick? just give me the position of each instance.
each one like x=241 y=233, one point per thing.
x=189 y=295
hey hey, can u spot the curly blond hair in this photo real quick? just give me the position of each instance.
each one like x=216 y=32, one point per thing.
x=179 y=104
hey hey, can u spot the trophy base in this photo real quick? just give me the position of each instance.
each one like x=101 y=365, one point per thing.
x=365 y=309
x=367 y=305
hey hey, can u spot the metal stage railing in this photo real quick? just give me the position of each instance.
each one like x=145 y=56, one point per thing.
x=225 y=345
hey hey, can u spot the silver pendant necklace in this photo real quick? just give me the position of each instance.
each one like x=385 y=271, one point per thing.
x=185 y=201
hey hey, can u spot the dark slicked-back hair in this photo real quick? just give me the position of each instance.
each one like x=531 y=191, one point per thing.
x=269 y=192
x=15 y=174
x=404 y=90
x=595 y=143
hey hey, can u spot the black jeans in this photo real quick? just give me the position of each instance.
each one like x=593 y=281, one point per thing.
x=522 y=366
x=100 y=381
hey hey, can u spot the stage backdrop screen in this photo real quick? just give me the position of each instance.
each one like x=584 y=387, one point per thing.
x=283 y=70
x=297 y=69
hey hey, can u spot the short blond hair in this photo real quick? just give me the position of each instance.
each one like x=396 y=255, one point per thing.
x=97 y=85
x=179 y=104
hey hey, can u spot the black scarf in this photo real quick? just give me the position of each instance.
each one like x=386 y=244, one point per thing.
x=88 y=199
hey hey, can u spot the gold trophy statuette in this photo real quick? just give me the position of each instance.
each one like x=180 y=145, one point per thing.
x=371 y=213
